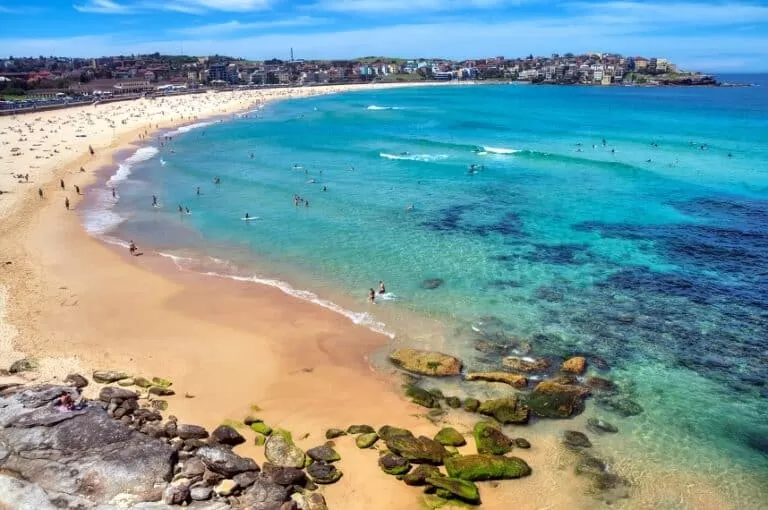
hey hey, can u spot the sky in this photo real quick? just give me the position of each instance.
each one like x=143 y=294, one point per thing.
x=703 y=35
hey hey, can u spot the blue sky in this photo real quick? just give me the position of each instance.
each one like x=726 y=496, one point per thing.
x=729 y=35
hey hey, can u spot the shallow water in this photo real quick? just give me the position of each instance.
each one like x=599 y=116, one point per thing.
x=652 y=259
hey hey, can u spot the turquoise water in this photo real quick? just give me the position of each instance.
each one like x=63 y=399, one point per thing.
x=647 y=252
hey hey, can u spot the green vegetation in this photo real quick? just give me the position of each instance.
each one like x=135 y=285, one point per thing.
x=399 y=78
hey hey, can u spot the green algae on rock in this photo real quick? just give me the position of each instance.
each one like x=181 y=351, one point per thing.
x=449 y=436
x=394 y=464
x=506 y=410
x=453 y=402
x=514 y=380
x=360 y=429
x=489 y=439
x=282 y=452
x=419 y=476
x=261 y=428
x=421 y=397
x=471 y=405
x=420 y=450
x=366 y=440
x=552 y=399
x=426 y=362
x=324 y=453
x=461 y=489
x=486 y=467
x=334 y=433
x=323 y=473
x=388 y=431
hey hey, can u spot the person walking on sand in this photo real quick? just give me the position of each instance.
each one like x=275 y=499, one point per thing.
x=77 y=189
x=40 y=192
x=132 y=248
x=61 y=183
x=66 y=203
x=382 y=290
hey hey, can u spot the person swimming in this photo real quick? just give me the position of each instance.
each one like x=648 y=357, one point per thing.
x=181 y=209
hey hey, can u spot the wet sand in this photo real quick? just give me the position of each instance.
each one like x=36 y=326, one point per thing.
x=79 y=305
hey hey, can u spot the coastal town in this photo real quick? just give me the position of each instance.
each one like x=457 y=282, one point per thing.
x=60 y=79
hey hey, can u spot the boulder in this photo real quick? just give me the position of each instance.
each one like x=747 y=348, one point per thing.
x=187 y=431
x=161 y=391
x=366 y=440
x=420 y=450
x=316 y=501
x=575 y=365
x=426 y=362
x=24 y=365
x=388 y=431
x=506 y=410
x=334 y=433
x=324 y=453
x=125 y=382
x=142 y=382
x=394 y=464
x=108 y=393
x=280 y=451
x=599 y=426
x=264 y=494
x=449 y=436
x=551 y=399
x=200 y=493
x=109 y=376
x=453 y=402
x=460 y=489
x=623 y=406
x=419 y=476
x=360 y=429
x=514 y=380
x=224 y=461
x=322 y=473
x=421 y=397
x=177 y=492
x=576 y=440
x=489 y=439
x=83 y=454
x=286 y=476
x=226 y=435
x=76 y=380
x=471 y=405
x=601 y=385
x=486 y=467
x=259 y=440
x=526 y=365
x=246 y=479
x=193 y=468
x=522 y=443
x=163 y=383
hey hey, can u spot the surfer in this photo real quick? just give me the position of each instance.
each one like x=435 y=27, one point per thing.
x=371 y=295
x=247 y=216
x=216 y=180
x=132 y=248
x=382 y=290
x=154 y=200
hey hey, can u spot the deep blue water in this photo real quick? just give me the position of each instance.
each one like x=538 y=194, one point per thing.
x=647 y=252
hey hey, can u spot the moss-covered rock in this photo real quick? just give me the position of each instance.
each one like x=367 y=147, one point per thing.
x=622 y=405
x=101 y=376
x=522 y=443
x=360 y=429
x=426 y=362
x=324 y=453
x=161 y=391
x=514 y=380
x=506 y=410
x=323 y=473
x=551 y=399
x=142 y=382
x=126 y=382
x=366 y=440
x=471 y=405
x=460 y=489
x=486 y=467
x=599 y=426
x=422 y=397
x=576 y=440
x=394 y=464
x=453 y=402
x=259 y=440
x=489 y=439
x=437 y=393
x=421 y=450
x=281 y=451
x=261 y=428
x=163 y=383
x=334 y=433
x=449 y=436
x=388 y=431
x=418 y=476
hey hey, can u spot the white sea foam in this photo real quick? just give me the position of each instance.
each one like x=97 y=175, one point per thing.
x=190 y=127
x=99 y=218
x=361 y=318
x=414 y=157
x=499 y=150
x=378 y=108
x=124 y=168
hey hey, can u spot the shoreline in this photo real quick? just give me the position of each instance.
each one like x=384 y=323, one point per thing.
x=298 y=352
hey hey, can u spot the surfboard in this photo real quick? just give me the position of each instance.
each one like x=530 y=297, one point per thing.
x=250 y=218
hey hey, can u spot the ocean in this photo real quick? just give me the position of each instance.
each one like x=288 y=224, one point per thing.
x=629 y=225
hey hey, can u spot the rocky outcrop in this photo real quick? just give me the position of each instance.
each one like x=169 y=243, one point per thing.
x=575 y=365
x=426 y=362
x=553 y=399
x=422 y=397
x=454 y=488
x=394 y=464
x=525 y=364
x=224 y=461
x=514 y=380
x=489 y=439
x=575 y=440
x=506 y=410
x=420 y=450
x=109 y=376
x=280 y=451
x=486 y=467
x=449 y=436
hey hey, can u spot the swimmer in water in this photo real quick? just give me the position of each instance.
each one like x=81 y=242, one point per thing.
x=409 y=208
x=181 y=209
x=216 y=180
x=247 y=216
x=154 y=200
x=187 y=209
x=198 y=191
x=382 y=290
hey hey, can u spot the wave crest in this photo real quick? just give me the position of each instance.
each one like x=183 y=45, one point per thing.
x=414 y=157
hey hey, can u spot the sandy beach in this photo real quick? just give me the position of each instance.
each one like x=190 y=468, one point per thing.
x=78 y=304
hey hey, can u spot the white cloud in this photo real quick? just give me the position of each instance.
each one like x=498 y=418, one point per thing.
x=399 y=6
x=230 y=27
x=183 y=6
x=685 y=13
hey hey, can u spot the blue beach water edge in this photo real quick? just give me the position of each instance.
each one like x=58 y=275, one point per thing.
x=627 y=225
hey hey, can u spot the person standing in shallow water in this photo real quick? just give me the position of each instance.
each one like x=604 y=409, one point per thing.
x=382 y=290
x=371 y=295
